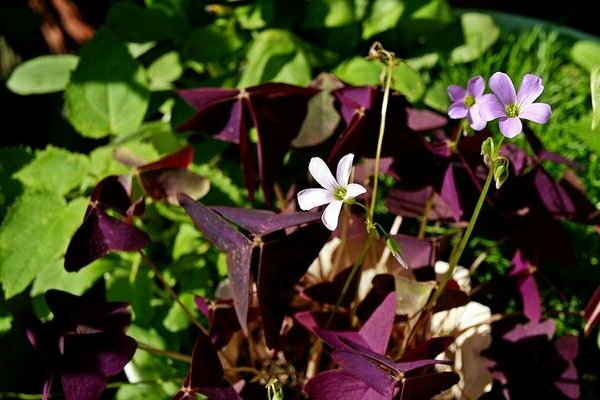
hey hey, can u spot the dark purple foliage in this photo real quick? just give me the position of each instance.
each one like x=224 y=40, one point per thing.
x=100 y=233
x=274 y=271
x=329 y=292
x=528 y=364
x=206 y=375
x=164 y=178
x=276 y=110
x=522 y=271
x=364 y=368
x=85 y=343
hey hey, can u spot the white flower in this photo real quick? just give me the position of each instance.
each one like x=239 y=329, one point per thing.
x=335 y=190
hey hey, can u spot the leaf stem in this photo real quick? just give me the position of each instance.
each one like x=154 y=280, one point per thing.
x=171 y=292
x=465 y=238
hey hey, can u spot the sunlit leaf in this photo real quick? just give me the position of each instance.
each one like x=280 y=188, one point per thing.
x=45 y=217
x=586 y=53
x=383 y=15
x=44 y=74
x=480 y=33
x=108 y=92
x=595 y=90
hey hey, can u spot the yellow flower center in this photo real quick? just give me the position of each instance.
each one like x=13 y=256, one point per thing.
x=512 y=110
x=469 y=101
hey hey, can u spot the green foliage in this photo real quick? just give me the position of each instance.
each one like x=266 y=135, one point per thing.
x=212 y=43
x=595 y=90
x=44 y=74
x=329 y=13
x=54 y=170
x=54 y=276
x=275 y=55
x=586 y=53
x=383 y=15
x=165 y=70
x=35 y=234
x=480 y=33
x=108 y=92
x=11 y=160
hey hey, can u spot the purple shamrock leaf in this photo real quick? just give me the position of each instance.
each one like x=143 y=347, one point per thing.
x=366 y=370
x=164 y=178
x=206 y=375
x=467 y=103
x=523 y=271
x=511 y=106
x=276 y=110
x=528 y=364
x=266 y=239
x=329 y=292
x=360 y=108
x=100 y=234
x=85 y=343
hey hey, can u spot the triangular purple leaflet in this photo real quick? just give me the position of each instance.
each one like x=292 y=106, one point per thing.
x=237 y=247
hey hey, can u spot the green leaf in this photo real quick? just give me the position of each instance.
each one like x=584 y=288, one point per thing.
x=274 y=55
x=187 y=241
x=582 y=129
x=132 y=283
x=108 y=92
x=256 y=15
x=164 y=70
x=211 y=43
x=412 y=295
x=328 y=13
x=54 y=276
x=480 y=32
x=54 y=170
x=44 y=74
x=437 y=98
x=5 y=320
x=145 y=391
x=12 y=159
x=586 y=53
x=384 y=15
x=595 y=92
x=358 y=71
x=132 y=23
x=408 y=82
x=176 y=320
x=34 y=234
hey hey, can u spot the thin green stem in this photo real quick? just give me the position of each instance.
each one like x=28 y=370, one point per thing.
x=357 y=263
x=384 y=105
x=465 y=238
x=171 y=292
x=165 y=353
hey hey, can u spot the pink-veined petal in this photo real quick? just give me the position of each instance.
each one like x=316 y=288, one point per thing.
x=476 y=86
x=311 y=198
x=510 y=127
x=320 y=171
x=458 y=110
x=530 y=89
x=331 y=215
x=503 y=87
x=344 y=168
x=354 y=190
x=492 y=109
x=474 y=118
x=456 y=93
x=536 y=112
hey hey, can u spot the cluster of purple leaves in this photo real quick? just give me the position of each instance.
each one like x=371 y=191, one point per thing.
x=274 y=251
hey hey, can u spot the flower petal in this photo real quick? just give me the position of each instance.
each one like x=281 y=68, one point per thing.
x=456 y=93
x=503 y=87
x=458 y=110
x=530 y=89
x=485 y=98
x=331 y=215
x=536 y=112
x=311 y=198
x=320 y=171
x=344 y=168
x=474 y=118
x=354 y=190
x=510 y=127
x=492 y=109
x=476 y=86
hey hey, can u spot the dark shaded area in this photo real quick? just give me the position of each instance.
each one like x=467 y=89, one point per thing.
x=576 y=14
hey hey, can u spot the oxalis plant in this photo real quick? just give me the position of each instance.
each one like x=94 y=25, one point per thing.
x=313 y=305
